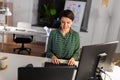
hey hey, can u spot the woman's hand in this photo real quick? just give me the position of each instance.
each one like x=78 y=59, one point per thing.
x=55 y=60
x=71 y=62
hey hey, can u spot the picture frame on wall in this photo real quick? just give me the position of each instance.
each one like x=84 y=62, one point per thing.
x=78 y=8
x=81 y=9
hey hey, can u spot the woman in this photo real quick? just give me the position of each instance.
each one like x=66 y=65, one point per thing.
x=64 y=43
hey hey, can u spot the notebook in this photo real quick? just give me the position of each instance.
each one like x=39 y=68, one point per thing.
x=44 y=73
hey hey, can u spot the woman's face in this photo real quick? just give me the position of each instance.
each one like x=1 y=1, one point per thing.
x=66 y=23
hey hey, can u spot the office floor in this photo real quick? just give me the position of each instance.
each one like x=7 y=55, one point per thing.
x=37 y=48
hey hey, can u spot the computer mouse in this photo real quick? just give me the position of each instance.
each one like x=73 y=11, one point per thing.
x=29 y=65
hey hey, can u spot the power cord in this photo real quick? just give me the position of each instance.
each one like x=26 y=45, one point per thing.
x=100 y=70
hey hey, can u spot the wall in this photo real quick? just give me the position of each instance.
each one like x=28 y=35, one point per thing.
x=22 y=10
x=98 y=24
x=114 y=25
x=34 y=12
x=103 y=23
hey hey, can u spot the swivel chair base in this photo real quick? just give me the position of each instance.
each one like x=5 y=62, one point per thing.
x=21 y=50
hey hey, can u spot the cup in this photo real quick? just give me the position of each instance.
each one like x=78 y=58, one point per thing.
x=3 y=62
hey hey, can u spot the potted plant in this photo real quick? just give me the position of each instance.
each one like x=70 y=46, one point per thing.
x=50 y=12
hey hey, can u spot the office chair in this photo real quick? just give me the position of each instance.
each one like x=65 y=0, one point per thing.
x=22 y=38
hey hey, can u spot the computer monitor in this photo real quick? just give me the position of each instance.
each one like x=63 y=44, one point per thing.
x=43 y=73
x=88 y=61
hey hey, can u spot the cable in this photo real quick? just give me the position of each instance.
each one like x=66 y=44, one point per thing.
x=102 y=71
x=107 y=75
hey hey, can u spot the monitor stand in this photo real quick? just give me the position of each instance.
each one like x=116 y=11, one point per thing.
x=98 y=71
x=97 y=75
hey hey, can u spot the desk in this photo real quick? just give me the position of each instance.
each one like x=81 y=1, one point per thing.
x=115 y=75
x=16 y=60
x=15 y=30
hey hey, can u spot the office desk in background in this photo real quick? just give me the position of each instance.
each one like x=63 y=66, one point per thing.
x=23 y=31
x=16 y=60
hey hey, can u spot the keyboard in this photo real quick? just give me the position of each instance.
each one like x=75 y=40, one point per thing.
x=61 y=65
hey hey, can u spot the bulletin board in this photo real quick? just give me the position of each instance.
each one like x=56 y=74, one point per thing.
x=78 y=8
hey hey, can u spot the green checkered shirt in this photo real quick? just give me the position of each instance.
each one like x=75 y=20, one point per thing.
x=63 y=47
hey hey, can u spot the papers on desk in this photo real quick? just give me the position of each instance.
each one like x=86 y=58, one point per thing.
x=20 y=30
x=31 y=30
x=27 y=30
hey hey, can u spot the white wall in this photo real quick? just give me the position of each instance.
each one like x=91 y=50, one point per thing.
x=34 y=12
x=118 y=38
x=98 y=24
x=103 y=23
x=22 y=10
x=114 y=25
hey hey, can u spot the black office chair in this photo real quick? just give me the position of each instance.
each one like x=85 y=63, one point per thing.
x=22 y=38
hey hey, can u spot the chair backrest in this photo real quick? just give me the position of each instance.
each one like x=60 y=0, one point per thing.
x=24 y=25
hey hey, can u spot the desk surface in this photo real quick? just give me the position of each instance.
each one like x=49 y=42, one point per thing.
x=112 y=75
x=16 y=60
x=25 y=31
